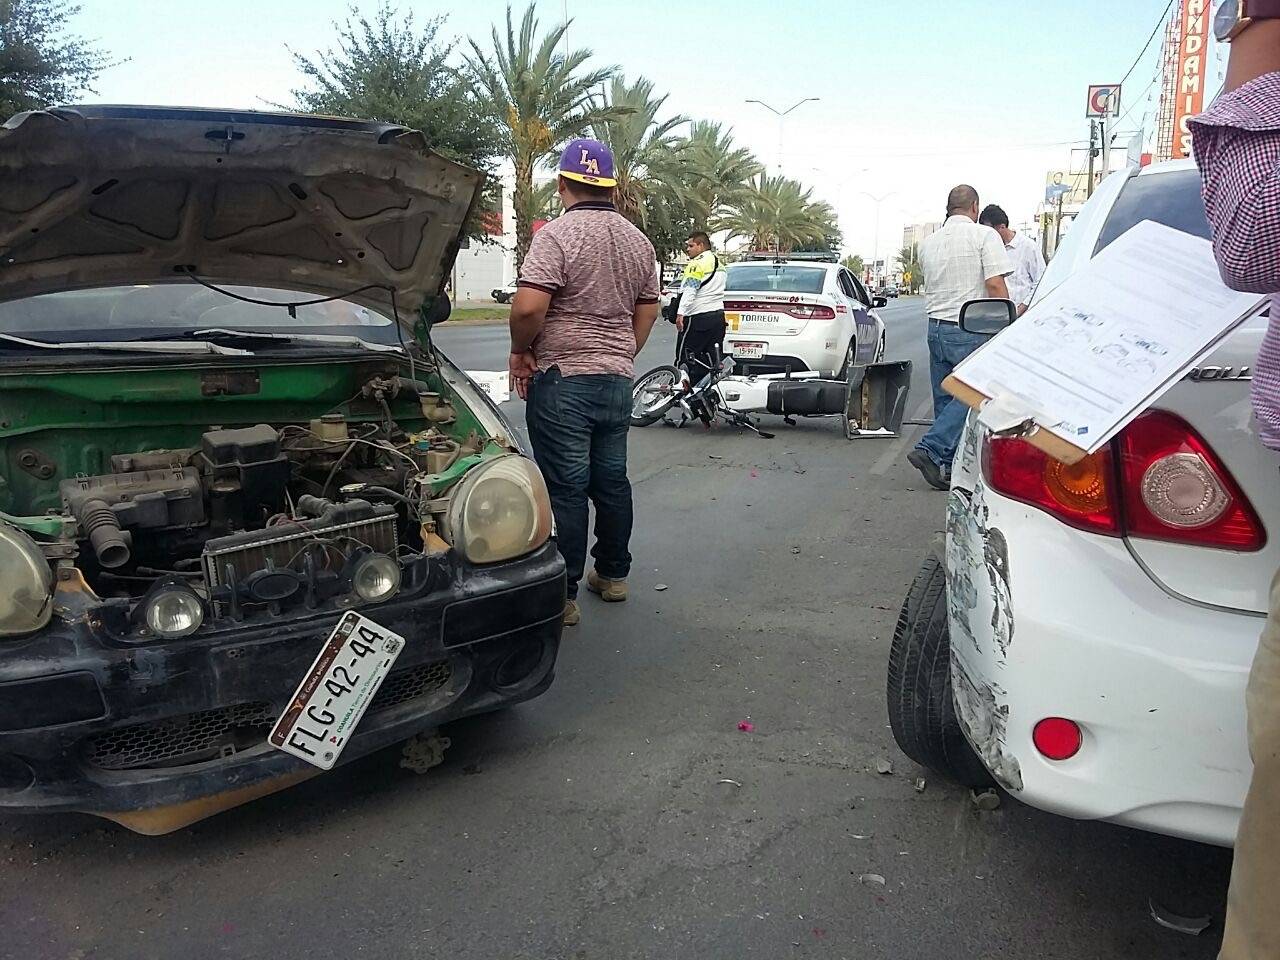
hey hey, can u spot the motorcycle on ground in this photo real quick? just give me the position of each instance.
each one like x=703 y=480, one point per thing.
x=662 y=388
x=871 y=402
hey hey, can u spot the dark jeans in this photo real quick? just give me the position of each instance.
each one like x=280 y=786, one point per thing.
x=948 y=345
x=701 y=343
x=578 y=426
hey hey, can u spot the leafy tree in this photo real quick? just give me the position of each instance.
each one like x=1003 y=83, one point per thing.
x=668 y=223
x=854 y=264
x=645 y=156
x=540 y=98
x=41 y=64
x=394 y=71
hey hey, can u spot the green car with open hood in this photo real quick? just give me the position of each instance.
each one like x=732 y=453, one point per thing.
x=224 y=435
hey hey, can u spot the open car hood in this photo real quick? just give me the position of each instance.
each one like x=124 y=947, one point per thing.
x=96 y=196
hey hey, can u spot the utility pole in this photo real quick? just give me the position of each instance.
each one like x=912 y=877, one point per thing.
x=1093 y=152
x=1057 y=228
x=1106 y=149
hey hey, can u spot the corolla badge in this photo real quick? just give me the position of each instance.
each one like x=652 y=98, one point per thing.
x=1198 y=374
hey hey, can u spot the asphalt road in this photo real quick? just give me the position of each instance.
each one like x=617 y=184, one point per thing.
x=624 y=814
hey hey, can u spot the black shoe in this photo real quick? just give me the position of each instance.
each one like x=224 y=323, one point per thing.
x=931 y=472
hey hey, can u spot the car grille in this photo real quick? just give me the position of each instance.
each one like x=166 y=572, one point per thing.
x=211 y=734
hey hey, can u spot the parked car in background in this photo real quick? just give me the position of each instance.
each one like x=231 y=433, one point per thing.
x=890 y=291
x=505 y=293
x=800 y=314
x=1086 y=639
x=223 y=444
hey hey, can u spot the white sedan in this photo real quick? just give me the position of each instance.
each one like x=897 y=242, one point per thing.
x=1086 y=641
x=800 y=314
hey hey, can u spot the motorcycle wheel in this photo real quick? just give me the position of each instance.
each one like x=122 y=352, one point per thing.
x=653 y=394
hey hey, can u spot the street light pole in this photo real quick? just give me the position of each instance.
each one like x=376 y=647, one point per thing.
x=875 y=244
x=781 y=115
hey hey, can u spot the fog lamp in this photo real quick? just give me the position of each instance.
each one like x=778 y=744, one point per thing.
x=376 y=577
x=172 y=611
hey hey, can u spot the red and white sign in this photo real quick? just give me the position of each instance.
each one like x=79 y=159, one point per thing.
x=1104 y=101
x=1193 y=71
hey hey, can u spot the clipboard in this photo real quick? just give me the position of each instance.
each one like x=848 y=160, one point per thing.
x=1026 y=429
x=1104 y=345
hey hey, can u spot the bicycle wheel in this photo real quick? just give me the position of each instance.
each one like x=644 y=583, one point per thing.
x=653 y=394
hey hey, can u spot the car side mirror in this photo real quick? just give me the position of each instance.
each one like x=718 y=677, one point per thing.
x=987 y=316
x=879 y=301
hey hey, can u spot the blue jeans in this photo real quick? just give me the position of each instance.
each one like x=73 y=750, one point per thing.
x=578 y=427
x=948 y=345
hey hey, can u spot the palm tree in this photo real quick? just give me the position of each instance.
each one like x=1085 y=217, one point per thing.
x=645 y=153
x=543 y=203
x=541 y=98
x=778 y=214
x=717 y=172
x=909 y=260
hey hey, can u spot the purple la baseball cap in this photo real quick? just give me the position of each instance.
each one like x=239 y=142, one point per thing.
x=588 y=161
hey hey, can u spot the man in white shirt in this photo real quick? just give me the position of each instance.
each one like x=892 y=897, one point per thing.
x=1024 y=254
x=962 y=261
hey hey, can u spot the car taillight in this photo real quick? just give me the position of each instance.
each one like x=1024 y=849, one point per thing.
x=809 y=312
x=802 y=311
x=1158 y=479
x=1176 y=488
x=1079 y=495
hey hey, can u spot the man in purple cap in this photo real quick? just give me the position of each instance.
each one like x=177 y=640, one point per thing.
x=586 y=300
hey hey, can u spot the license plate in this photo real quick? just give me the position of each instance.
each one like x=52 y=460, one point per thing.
x=750 y=351
x=336 y=691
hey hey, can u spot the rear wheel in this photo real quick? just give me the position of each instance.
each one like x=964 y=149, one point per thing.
x=653 y=394
x=880 y=349
x=843 y=372
x=922 y=710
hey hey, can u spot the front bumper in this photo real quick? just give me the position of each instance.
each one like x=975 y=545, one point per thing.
x=116 y=728
x=1157 y=684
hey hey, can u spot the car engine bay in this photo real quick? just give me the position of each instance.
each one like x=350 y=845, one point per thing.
x=332 y=510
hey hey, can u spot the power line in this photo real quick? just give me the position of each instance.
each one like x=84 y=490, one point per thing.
x=1159 y=23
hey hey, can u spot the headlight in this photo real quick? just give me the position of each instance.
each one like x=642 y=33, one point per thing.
x=376 y=577
x=173 y=611
x=26 y=584
x=499 y=510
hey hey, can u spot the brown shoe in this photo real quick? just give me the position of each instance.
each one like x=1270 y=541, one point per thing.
x=572 y=613
x=610 y=591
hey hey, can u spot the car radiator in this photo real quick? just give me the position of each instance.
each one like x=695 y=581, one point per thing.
x=340 y=527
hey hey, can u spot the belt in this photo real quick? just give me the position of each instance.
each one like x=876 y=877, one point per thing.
x=954 y=323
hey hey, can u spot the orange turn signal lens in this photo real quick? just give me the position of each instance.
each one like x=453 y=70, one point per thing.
x=1082 y=486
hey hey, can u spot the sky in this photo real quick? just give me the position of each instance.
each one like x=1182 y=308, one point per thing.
x=913 y=98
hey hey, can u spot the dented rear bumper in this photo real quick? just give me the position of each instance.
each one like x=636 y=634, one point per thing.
x=159 y=734
x=1046 y=621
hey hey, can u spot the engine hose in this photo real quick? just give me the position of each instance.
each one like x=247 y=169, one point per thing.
x=102 y=527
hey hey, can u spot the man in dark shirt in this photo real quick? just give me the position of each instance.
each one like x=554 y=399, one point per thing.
x=585 y=304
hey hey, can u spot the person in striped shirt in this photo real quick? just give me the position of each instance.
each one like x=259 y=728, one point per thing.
x=1237 y=145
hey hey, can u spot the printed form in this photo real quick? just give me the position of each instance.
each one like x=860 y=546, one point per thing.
x=1106 y=343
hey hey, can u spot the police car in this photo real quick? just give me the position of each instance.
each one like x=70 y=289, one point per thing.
x=799 y=313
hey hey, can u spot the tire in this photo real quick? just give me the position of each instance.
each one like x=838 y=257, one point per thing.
x=880 y=348
x=922 y=710
x=643 y=414
x=843 y=372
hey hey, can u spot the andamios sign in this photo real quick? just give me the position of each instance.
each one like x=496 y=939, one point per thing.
x=1193 y=62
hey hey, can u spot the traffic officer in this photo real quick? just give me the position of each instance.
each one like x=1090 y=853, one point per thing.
x=700 y=314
